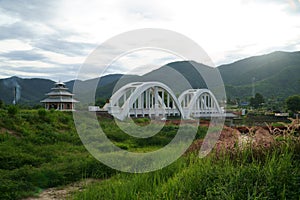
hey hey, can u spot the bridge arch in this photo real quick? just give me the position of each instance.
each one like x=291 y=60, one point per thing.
x=197 y=103
x=143 y=99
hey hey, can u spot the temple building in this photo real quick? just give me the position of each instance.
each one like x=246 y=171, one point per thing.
x=60 y=98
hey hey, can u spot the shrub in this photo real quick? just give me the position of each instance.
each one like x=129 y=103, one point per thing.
x=42 y=113
x=12 y=110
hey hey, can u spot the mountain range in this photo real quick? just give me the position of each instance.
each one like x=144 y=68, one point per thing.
x=274 y=75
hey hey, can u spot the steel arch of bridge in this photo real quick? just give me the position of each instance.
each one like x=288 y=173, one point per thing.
x=143 y=99
x=157 y=99
x=197 y=103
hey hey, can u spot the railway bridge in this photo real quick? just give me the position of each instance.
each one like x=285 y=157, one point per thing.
x=155 y=99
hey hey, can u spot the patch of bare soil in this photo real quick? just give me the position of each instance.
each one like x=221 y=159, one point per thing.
x=62 y=192
x=230 y=139
x=4 y=130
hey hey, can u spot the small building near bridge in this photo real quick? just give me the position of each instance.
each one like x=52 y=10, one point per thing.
x=59 y=98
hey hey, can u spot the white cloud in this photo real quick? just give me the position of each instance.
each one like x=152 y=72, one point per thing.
x=141 y=62
x=6 y=19
x=13 y=45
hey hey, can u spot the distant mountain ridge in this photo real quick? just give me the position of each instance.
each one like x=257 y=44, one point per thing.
x=31 y=91
x=273 y=75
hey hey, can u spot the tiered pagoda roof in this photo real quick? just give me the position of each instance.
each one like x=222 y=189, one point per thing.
x=59 y=94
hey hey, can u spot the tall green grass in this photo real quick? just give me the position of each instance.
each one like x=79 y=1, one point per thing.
x=249 y=174
x=41 y=149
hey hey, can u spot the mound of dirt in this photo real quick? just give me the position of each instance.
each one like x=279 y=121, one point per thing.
x=262 y=138
x=228 y=140
x=231 y=139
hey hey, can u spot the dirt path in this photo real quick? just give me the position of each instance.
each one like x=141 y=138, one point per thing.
x=62 y=192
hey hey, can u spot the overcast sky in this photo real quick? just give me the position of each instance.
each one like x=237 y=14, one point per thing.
x=51 y=39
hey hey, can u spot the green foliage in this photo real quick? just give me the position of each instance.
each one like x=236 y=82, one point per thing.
x=257 y=101
x=1 y=104
x=276 y=74
x=293 y=103
x=249 y=175
x=142 y=121
x=42 y=113
x=12 y=110
x=101 y=102
x=40 y=150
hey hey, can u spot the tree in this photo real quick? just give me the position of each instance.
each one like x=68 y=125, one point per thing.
x=100 y=102
x=293 y=103
x=257 y=100
x=1 y=103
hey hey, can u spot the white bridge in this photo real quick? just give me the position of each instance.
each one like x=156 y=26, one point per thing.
x=155 y=99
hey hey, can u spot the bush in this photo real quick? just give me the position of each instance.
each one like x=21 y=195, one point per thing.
x=42 y=113
x=12 y=110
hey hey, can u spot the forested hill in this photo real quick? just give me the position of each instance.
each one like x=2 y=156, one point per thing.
x=274 y=75
x=32 y=91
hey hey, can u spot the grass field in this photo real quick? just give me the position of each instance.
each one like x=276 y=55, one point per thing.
x=276 y=175
x=40 y=149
